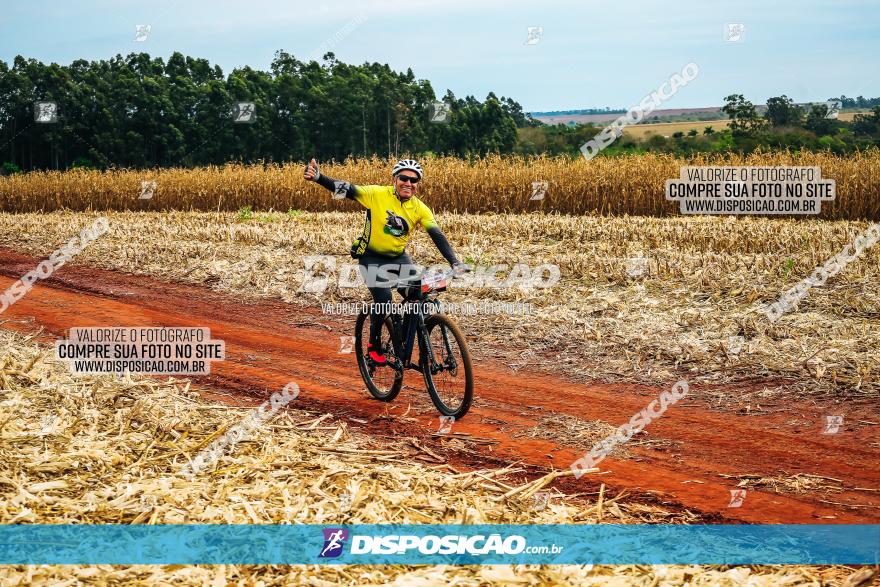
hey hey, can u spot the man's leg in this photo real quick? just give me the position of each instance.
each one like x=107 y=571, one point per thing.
x=380 y=286
x=381 y=294
x=381 y=297
x=408 y=271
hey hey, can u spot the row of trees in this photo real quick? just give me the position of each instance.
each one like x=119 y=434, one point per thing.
x=860 y=102
x=781 y=111
x=782 y=124
x=138 y=111
x=785 y=124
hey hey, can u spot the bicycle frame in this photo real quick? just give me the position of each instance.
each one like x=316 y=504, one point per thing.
x=413 y=328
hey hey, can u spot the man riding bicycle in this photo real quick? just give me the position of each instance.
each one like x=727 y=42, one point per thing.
x=393 y=213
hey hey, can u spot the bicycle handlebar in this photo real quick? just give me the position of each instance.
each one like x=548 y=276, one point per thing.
x=419 y=280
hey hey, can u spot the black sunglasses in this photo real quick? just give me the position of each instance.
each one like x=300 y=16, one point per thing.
x=406 y=178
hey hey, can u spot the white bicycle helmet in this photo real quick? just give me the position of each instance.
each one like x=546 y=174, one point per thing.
x=410 y=164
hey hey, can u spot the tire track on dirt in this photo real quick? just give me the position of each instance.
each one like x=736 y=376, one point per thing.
x=269 y=343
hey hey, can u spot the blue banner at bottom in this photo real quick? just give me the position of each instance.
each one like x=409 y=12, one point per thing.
x=373 y=544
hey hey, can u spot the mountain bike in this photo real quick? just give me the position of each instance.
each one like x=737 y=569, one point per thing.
x=444 y=359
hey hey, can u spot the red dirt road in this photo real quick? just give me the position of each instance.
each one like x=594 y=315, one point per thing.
x=270 y=343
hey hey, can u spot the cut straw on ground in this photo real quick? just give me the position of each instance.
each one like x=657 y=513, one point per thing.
x=109 y=450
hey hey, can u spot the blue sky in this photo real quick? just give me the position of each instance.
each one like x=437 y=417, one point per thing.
x=591 y=54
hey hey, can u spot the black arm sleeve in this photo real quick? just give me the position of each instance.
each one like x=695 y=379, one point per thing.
x=330 y=184
x=442 y=244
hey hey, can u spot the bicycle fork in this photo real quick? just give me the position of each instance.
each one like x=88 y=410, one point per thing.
x=452 y=365
x=408 y=330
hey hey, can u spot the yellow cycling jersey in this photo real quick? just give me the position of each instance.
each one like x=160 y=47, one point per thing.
x=390 y=222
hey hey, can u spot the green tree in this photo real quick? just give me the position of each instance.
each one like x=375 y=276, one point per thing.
x=781 y=111
x=867 y=124
x=744 y=119
x=817 y=122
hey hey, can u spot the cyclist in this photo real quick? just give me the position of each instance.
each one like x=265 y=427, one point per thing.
x=393 y=213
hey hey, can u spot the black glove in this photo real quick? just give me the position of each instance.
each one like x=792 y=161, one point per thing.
x=314 y=165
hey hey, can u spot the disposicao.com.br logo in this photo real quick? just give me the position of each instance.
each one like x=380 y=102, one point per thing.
x=334 y=542
x=450 y=544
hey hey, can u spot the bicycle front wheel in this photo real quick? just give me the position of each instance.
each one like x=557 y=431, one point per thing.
x=446 y=366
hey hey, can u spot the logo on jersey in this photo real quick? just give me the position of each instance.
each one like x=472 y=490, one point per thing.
x=395 y=225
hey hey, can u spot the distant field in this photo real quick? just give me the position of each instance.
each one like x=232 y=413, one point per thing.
x=599 y=118
x=667 y=128
x=605 y=118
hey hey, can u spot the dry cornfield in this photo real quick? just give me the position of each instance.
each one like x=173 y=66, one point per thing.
x=631 y=185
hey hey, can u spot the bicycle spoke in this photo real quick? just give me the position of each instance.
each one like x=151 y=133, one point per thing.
x=383 y=380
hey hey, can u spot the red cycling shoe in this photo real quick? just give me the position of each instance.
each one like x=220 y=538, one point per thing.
x=377 y=357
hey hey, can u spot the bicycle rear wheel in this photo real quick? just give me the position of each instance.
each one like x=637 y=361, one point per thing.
x=382 y=381
x=447 y=367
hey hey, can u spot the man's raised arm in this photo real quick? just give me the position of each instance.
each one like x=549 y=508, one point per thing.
x=312 y=173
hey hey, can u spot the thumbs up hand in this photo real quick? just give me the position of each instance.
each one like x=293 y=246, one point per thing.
x=311 y=172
